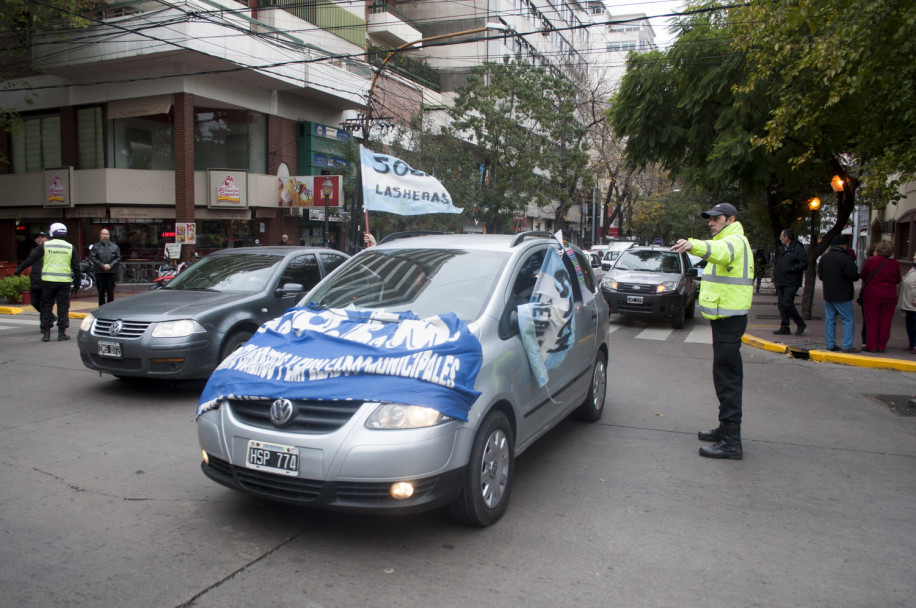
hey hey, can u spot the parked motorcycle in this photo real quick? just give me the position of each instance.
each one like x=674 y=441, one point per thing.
x=167 y=272
x=87 y=275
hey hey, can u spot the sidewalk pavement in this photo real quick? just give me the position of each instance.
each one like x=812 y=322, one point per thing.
x=763 y=319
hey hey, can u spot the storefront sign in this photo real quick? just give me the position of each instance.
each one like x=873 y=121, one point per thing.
x=305 y=191
x=228 y=189
x=173 y=251
x=57 y=187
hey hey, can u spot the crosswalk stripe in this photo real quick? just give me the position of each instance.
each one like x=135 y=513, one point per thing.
x=652 y=333
x=700 y=335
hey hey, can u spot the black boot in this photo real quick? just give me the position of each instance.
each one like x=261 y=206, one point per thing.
x=62 y=336
x=713 y=435
x=46 y=335
x=728 y=447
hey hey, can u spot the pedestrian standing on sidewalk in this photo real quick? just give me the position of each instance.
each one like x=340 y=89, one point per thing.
x=60 y=276
x=838 y=272
x=880 y=276
x=725 y=297
x=907 y=303
x=791 y=262
x=35 y=275
x=105 y=257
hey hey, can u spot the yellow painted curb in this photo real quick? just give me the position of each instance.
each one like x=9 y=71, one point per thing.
x=78 y=315
x=773 y=347
x=862 y=361
x=10 y=310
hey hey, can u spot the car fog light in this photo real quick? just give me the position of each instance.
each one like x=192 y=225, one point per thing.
x=203 y=454
x=401 y=490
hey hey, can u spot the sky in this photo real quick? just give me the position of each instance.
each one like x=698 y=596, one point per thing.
x=650 y=8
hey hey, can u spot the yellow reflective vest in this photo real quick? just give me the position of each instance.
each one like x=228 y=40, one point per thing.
x=727 y=287
x=57 y=259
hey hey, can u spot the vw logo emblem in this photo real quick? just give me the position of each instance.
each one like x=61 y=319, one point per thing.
x=116 y=327
x=281 y=411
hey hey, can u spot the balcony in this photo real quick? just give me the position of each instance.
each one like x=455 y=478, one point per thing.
x=389 y=27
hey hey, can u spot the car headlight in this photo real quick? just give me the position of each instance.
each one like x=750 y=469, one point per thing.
x=177 y=329
x=609 y=283
x=400 y=416
x=86 y=324
x=666 y=287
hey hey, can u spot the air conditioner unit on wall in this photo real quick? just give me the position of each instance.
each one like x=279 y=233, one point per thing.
x=292 y=211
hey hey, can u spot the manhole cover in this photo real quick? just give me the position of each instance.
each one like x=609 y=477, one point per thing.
x=902 y=405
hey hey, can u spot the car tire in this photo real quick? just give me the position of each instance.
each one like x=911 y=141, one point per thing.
x=593 y=406
x=489 y=475
x=691 y=309
x=677 y=320
x=235 y=341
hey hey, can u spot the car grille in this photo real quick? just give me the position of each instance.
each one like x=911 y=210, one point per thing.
x=128 y=330
x=308 y=490
x=640 y=288
x=308 y=416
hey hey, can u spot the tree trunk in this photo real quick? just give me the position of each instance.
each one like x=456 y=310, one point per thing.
x=845 y=204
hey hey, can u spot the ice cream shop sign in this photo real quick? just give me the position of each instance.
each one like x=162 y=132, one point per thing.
x=228 y=189
x=57 y=187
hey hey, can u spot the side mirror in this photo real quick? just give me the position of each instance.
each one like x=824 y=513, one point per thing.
x=605 y=265
x=508 y=324
x=692 y=273
x=290 y=289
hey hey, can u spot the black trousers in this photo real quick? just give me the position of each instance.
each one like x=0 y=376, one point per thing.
x=35 y=296
x=104 y=283
x=727 y=367
x=785 y=302
x=58 y=293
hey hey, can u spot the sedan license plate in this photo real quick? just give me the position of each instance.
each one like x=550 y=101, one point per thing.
x=282 y=459
x=109 y=349
x=634 y=299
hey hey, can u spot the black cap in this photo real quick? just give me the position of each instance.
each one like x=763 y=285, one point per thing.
x=839 y=240
x=41 y=233
x=725 y=209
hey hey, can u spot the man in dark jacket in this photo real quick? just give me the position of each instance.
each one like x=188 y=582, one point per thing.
x=791 y=262
x=105 y=257
x=35 y=275
x=838 y=272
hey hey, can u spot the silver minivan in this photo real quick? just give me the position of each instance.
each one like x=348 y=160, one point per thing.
x=356 y=444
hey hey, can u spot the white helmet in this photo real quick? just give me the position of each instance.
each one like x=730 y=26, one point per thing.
x=58 y=229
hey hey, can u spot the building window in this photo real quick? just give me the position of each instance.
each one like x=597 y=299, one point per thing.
x=142 y=142
x=37 y=145
x=621 y=46
x=230 y=139
x=90 y=136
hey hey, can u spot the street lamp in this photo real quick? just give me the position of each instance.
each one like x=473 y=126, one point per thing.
x=327 y=188
x=814 y=204
x=407 y=46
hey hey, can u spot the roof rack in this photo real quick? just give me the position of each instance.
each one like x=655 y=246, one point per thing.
x=531 y=234
x=408 y=234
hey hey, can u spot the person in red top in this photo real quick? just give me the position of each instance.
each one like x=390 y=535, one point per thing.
x=880 y=275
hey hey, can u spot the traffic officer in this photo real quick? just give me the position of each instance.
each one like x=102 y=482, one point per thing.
x=725 y=297
x=60 y=273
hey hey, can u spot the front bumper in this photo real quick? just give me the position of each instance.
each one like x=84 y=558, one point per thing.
x=646 y=304
x=191 y=357
x=350 y=468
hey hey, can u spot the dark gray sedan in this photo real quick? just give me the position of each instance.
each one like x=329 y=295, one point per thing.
x=185 y=329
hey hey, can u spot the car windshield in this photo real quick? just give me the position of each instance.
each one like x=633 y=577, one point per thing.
x=426 y=282
x=649 y=261
x=245 y=273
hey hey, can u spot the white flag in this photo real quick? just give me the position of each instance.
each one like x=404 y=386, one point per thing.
x=390 y=184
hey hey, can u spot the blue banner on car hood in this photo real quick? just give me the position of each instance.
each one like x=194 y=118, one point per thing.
x=336 y=354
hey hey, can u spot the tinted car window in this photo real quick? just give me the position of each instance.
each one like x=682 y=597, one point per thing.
x=246 y=273
x=652 y=261
x=425 y=281
x=302 y=269
x=331 y=261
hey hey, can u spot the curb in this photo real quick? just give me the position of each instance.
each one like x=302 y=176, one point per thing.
x=826 y=356
x=10 y=310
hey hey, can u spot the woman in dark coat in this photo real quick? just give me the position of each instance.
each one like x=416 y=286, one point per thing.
x=880 y=276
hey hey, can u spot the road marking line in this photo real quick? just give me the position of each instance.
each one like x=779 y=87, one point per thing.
x=651 y=333
x=700 y=335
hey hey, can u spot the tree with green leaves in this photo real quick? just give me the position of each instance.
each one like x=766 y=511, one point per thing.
x=533 y=147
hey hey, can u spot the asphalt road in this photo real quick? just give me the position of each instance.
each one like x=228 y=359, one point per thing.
x=103 y=503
